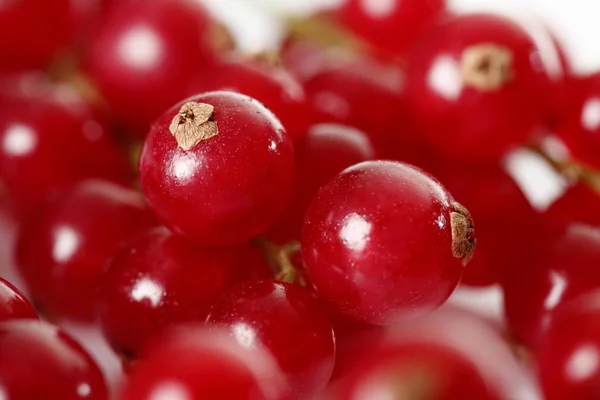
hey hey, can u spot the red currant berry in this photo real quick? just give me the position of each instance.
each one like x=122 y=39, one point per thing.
x=506 y=221
x=13 y=303
x=41 y=362
x=364 y=99
x=324 y=152
x=384 y=238
x=568 y=352
x=191 y=363
x=217 y=168
x=579 y=127
x=579 y=204
x=559 y=268
x=304 y=58
x=63 y=248
x=272 y=86
x=158 y=279
x=146 y=54
x=289 y=322
x=414 y=371
x=54 y=144
x=25 y=48
x=475 y=84
x=390 y=25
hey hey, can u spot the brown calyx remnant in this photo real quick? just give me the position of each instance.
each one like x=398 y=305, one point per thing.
x=463 y=233
x=486 y=67
x=193 y=124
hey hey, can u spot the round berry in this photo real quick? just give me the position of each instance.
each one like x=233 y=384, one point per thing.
x=46 y=145
x=13 y=303
x=217 y=168
x=158 y=279
x=41 y=362
x=384 y=238
x=579 y=127
x=190 y=362
x=63 y=248
x=364 y=98
x=146 y=54
x=579 y=204
x=321 y=154
x=566 y=354
x=289 y=322
x=25 y=48
x=414 y=371
x=390 y=25
x=475 y=85
x=559 y=267
x=272 y=86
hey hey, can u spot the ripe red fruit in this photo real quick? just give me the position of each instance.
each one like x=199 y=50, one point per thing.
x=41 y=362
x=190 y=362
x=217 y=168
x=54 y=144
x=25 y=48
x=272 y=86
x=579 y=126
x=567 y=353
x=146 y=54
x=384 y=238
x=558 y=268
x=158 y=279
x=390 y=25
x=365 y=98
x=289 y=322
x=475 y=86
x=579 y=204
x=320 y=155
x=63 y=248
x=414 y=370
x=14 y=304
x=506 y=221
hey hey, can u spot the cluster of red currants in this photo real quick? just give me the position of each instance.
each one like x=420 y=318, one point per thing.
x=285 y=226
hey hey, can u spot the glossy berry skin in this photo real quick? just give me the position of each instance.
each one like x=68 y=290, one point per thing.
x=54 y=144
x=414 y=370
x=475 y=86
x=272 y=86
x=227 y=188
x=321 y=154
x=158 y=279
x=377 y=242
x=14 y=304
x=364 y=98
x=25 y=48
x=559 y=267
x=579 y=127
x=566 y=352
x=145 y=55
x=191 y=362
x=63 y=248
x=41 y=362
x=506 y=221
x=391 y=25
x=289 y=322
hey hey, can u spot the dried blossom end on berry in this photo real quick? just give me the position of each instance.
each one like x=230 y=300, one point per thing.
x=192 y=124
x=463 y=233
x=486 y=67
